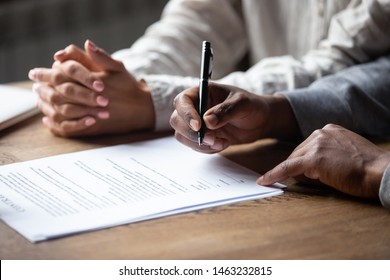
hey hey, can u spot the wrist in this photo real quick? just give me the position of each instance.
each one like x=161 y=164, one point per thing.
x=282 y=121
x=375 y=170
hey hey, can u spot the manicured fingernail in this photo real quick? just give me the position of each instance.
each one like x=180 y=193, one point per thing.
x=104 y=115
x=90 y=121
x=59 y=53
x=45 y=120
x=31 y=74
x=194 y=124
x=98 y=86
x=102 y=101
x=92 y=46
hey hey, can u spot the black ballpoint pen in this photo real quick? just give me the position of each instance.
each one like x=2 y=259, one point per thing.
x=205 y=74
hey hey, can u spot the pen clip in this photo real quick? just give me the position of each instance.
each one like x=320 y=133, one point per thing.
x=211 y=64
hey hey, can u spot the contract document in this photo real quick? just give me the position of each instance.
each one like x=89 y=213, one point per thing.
x=99 y=188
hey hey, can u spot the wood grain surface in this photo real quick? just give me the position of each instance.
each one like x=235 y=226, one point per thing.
x=307 y=222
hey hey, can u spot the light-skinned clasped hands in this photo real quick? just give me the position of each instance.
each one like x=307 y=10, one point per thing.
x=86 y=92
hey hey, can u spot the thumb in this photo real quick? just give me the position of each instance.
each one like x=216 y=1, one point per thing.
x=72 y=52
x=103 y=59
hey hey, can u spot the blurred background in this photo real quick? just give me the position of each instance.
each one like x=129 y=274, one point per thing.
x=31 y=31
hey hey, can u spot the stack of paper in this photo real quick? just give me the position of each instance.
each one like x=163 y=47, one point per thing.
x=70 y=193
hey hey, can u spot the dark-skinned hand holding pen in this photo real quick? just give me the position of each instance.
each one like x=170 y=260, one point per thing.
x=235 y=116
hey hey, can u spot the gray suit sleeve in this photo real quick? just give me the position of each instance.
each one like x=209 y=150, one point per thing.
x=384 y=190
x=357 y=98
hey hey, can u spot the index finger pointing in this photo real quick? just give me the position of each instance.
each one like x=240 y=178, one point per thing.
x=288 y=168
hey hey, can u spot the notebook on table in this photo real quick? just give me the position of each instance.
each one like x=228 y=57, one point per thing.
x=16 y=105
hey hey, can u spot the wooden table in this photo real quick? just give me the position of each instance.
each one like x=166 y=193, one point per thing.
x=306 y=222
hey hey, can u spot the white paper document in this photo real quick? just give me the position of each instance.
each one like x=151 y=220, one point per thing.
x=16 y=105
x=61 y=195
